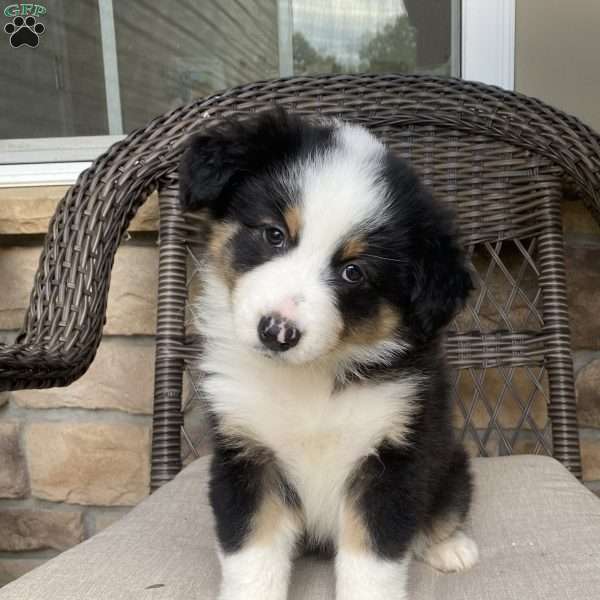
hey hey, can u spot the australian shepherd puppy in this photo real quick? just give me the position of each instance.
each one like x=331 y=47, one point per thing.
x=330 y=273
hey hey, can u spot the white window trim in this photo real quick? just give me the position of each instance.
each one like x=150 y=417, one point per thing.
x=487 y=55
x=37 y=174
x=63 y=164
x=488 y=42
x=111 y=67
x=285 y=30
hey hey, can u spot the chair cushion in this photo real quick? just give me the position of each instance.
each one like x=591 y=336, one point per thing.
x=538 y=531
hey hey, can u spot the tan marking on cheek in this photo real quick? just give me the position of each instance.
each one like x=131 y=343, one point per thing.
x=293 y=220
x=221 y=234
x=380 y=327
x=220 y=252
x=353 y=531
x=353 y=247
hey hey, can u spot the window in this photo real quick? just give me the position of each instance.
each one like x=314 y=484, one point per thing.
x=103 y=68
x=333 y=36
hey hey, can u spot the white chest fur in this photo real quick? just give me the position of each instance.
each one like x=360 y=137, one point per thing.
x=318 y=436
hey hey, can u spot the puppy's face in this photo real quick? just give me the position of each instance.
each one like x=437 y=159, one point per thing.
x=328 y=244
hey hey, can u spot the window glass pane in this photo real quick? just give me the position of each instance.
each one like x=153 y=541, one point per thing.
x=109 y=66
x=172 y=51
x=56 y=88
x=337 y=36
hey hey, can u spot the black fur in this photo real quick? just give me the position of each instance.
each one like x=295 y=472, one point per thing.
x=431 y=280
x=236 y=487
x=403 y=490
x=219 y=161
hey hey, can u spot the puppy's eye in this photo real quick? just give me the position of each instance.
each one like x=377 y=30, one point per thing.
x=274 y=236
x=352 y=274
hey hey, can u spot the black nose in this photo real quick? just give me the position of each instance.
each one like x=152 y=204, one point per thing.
x=277 y=333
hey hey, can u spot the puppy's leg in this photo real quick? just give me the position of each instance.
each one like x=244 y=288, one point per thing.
x=362 y=572
x=378 y=522
x=257 y=531
x=442 y=544
x=260 y=569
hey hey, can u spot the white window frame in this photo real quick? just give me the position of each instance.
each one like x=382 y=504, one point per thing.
x=487 y=39
x=488 y=42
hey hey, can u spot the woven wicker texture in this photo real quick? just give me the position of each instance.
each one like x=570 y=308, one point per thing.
x=507 y=203
x=499 y=156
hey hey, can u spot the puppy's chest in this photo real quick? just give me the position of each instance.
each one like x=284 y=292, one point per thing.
x=301 y=419
x=317 y=435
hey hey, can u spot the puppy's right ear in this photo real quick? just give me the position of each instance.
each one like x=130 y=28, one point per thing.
x=208 y=170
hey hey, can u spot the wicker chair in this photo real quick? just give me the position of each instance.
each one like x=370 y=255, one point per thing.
x=503 y=160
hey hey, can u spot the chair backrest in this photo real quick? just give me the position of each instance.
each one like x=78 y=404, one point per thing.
x=499 y=157
x=513 y=382
x=510 y=348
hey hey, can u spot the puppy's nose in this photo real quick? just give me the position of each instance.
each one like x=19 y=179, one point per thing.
x=278 y=333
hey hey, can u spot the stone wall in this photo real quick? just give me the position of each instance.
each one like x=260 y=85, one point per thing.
x=73 y=460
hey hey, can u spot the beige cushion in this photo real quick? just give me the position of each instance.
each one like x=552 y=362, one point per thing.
x=537 y=528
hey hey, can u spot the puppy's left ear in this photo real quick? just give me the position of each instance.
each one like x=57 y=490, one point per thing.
x=218 y=160
x=442 y=278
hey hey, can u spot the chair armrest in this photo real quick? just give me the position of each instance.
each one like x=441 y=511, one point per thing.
x=64 y=321
x=37 y=366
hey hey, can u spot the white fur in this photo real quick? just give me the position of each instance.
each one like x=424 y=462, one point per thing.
x=457 y=553
x=340 y=194
x=317 y=436
x=363 y=576
x=263 y=290
x=260 y=572
x=342 y=191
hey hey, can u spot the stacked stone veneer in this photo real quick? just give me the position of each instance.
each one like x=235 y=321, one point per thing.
x=73 y=460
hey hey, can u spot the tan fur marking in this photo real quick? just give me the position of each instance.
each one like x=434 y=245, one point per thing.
x=245 y=444
x=353 y=532
x=273 y=513
x=376 y=329
x=293 y=220
x=353 y=247
x=219 y=251
x=442 y=528
x=271 y=516
x=221 y=233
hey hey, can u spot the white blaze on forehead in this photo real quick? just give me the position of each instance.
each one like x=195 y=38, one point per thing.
x=342 y=191
x=339 y=192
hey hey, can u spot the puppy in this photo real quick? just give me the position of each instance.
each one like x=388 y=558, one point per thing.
x=329 y=276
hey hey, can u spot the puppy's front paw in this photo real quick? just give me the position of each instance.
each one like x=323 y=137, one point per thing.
x=369 y=577
x=237 y=593
x=457 y=553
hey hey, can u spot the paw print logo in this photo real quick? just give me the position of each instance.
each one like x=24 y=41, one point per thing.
x=24 y=32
